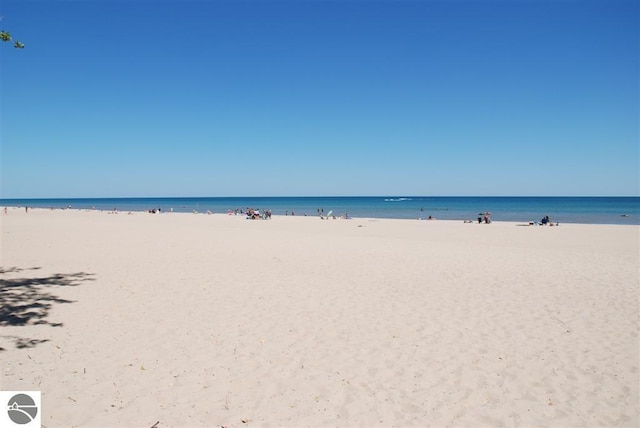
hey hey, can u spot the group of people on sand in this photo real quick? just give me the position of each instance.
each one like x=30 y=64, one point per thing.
x=546 y=221
x=255 y=214
x=330 y=214
x=486 y=216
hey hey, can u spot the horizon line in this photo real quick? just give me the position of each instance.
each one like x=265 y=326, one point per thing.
x=321 y=196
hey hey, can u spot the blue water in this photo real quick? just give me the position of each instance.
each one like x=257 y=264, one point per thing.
x=587 y=210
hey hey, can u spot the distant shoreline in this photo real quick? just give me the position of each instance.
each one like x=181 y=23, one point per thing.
x=20 y=210
x=574 y=209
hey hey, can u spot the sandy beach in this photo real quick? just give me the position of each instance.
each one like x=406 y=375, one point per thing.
x=185 y=320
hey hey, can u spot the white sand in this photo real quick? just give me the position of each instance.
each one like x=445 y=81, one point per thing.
x=213 y=320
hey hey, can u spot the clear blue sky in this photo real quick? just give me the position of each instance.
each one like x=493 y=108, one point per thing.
x=311 y=97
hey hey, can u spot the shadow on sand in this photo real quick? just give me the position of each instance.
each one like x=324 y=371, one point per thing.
x=28 y=300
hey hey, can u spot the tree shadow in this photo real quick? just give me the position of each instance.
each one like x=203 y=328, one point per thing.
x=28 y=300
